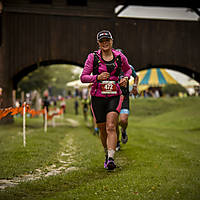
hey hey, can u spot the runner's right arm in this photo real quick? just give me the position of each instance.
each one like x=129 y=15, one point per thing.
x=86 y=76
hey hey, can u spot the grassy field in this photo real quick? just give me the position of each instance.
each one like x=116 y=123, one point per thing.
x=161 y=160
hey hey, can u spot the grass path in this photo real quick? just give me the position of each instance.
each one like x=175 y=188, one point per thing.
x=160 y=161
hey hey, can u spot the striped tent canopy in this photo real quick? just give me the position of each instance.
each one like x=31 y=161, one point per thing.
x=154 y=77
x=77 y=84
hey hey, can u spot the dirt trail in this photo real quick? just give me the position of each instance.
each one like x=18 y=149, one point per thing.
x=65 y=159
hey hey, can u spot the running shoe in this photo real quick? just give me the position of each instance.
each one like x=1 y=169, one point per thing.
x=118 y=146
x=110 y=164
x=105 y=163
x=124 y=138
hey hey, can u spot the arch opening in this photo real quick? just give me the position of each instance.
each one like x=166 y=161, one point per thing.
x=51 y=76
x=19 y=76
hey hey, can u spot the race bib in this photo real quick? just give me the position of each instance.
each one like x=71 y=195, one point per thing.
x=108 y=87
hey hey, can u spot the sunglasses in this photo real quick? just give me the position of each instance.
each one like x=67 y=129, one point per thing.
x=104 y=40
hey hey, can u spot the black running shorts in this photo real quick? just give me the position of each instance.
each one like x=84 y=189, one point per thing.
x=125 y=104
x=103 y=105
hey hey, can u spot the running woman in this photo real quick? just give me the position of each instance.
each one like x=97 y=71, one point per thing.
x=125 y=110
x=102 y=68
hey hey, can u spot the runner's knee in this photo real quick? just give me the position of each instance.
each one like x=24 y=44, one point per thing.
x=110 y=128
x=123 y=121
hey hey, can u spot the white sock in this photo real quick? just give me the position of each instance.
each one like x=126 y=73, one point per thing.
x=111 y=153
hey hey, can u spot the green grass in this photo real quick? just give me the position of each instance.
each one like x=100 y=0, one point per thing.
x=40 y=150
x=160 y=161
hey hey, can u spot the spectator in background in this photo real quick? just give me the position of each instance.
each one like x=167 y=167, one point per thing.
x=76 y=93
x=63 y=105
x=85 y=93
x=54 y=101
x=45 y=105
x=156 y=93
x=76 y=105
x=69 y=94
x=85 y=104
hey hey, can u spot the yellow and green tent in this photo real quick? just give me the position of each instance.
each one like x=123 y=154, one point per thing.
x=154 y=77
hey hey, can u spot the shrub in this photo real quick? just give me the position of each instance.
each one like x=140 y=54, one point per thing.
x=173 y=89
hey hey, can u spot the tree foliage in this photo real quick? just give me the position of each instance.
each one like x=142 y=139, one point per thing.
x=173 y=89
x=53 y=76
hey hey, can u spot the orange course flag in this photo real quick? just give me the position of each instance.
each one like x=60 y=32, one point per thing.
x=14 y=111
x=5 y=112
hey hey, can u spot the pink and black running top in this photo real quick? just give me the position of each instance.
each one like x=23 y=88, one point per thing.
x=88 y=75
